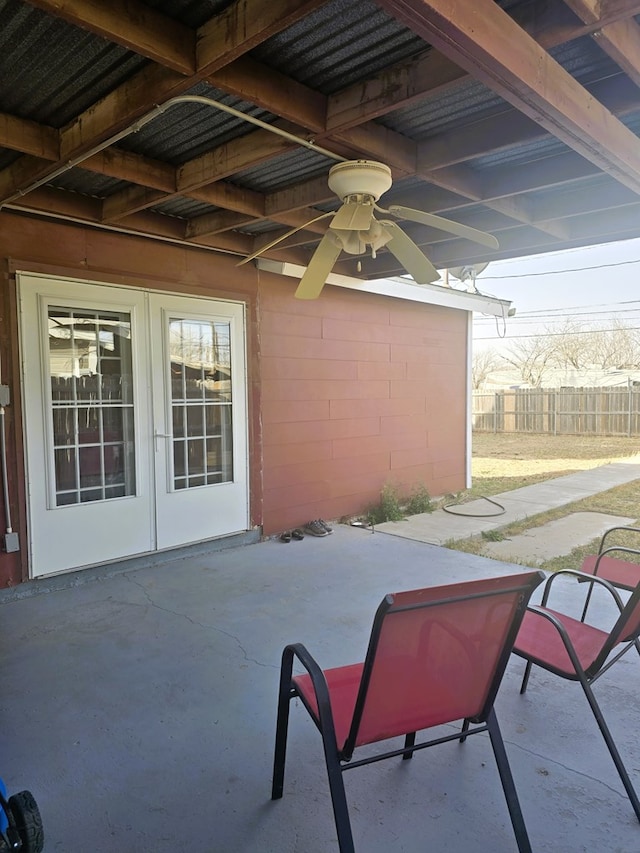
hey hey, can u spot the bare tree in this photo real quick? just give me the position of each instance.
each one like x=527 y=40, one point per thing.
x=615 y=347
x=484 y=363
x=532 y=357
x=569 y=350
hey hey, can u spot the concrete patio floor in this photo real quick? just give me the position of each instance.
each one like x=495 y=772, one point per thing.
x=139 y=707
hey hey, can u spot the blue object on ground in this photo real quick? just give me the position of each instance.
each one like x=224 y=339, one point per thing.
x=4 y=823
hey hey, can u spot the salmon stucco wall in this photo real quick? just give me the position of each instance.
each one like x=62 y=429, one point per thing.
x=358 y=390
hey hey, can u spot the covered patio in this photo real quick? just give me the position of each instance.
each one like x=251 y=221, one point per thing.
x=140 y=703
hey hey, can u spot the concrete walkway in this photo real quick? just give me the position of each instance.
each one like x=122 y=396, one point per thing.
x=440 y=527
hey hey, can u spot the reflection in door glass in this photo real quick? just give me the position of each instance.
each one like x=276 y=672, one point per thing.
x=200 y=353
x=90 y=370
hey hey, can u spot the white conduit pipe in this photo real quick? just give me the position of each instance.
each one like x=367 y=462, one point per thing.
x=150 y=116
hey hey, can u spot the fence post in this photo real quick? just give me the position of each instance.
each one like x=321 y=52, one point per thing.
x=629 y=402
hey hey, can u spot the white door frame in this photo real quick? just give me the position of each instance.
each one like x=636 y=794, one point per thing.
x=63 y=538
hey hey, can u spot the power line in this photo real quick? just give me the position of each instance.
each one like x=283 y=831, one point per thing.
x=605 y=305
x=527 y=318
x=559 y=334
x=559 y=272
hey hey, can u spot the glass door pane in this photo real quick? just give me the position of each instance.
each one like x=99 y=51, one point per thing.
x=91 y=383
x=201 y=402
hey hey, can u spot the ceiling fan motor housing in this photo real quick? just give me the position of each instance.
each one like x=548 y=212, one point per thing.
x=359 y=177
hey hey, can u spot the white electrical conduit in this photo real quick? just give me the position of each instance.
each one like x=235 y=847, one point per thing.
x=157 y=111
x=5 y=480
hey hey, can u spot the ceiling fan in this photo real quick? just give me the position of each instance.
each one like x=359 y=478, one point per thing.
x=354 y=228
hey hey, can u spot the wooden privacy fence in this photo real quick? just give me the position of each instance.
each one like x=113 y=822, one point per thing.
x=559 y=411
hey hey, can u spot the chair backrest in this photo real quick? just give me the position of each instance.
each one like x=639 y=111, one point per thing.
x=437 y=655
x=626 y=630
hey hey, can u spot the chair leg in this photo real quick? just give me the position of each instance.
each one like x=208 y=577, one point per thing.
x=525 y=677
x=282 y=725
x=586 y=603
x=338 y=795
x=464 y=730
x=608 y=739
x=409 y=740
x=508 y=786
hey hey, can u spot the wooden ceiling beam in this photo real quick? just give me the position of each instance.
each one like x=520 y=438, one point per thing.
x=133 y=168
x=304 y=194
x=236 y=30
x=29 y=137
x=619 y=39
x=228 y=159
x=603 y=12
x=58 y=204
x=481 y=37
x=497 y=133
x=521 y=211
x=244 y=25
x=432 y=72
x=133 y=25
x=217 y=223
x=206 y=169
x=381 y=143
x=230 y=197
x=605 y=195
x=255 y=82
x=621 y=42
x=392 y=89
x=506 y=181
x=131 y=200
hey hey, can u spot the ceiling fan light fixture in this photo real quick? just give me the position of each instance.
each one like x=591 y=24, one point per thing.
x=360 y=178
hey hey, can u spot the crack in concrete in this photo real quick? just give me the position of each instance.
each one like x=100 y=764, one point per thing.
x=566 y=767
x=233 y=637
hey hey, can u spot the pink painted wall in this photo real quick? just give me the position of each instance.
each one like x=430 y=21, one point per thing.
x=357 y=391
x=346 y=393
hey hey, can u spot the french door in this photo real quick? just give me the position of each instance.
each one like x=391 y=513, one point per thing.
x=135 y=421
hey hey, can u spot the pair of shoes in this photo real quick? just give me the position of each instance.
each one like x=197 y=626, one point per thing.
x=318 y=527
x=288 y=535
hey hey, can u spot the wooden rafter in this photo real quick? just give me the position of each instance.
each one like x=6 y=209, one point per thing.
x=460 y=44
x=481 y=37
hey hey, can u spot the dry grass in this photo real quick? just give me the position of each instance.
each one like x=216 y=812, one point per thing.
x=502 y=462
x=505 y=461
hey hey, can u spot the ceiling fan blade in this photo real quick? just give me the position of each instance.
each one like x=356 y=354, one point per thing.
x=443 y=224
x=281 y=238
x=419 y=267
x=353 y=216
x=320 y=266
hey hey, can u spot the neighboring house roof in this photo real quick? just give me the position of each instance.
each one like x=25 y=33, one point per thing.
x=517 y=117
x=559 y=378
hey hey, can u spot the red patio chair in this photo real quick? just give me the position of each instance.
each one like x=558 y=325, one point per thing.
x=578 y=651
x=620 y=573
x=435 y=656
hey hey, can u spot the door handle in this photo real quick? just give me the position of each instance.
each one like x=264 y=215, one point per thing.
x=157 y=435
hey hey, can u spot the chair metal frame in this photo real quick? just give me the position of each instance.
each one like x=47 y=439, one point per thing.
x=624 y=633
x=620 y=573
x=338 y=757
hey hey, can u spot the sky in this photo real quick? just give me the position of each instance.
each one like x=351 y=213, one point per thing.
x=590 y=285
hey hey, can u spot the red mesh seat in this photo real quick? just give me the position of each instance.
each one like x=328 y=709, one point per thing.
x=435 y=656
x=578 y=651
x=621 y=573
